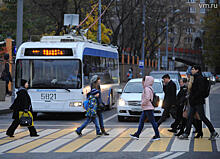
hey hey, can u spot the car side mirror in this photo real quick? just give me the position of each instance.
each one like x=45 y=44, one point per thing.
x=119 y=91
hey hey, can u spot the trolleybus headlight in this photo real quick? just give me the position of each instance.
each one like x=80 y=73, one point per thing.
x=75 y=104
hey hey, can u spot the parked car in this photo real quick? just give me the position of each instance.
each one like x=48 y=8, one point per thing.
x=159 y=74
x=217 y=77
x=129 y=103
x=210 y=77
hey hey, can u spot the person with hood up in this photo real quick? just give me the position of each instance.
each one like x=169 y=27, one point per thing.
x=21 y=103
x=148 y=108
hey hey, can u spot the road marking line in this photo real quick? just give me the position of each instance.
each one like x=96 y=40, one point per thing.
x=180 y=145
x=138 y=145
x=14 y=144
x=18 y=136
x=207 y=110
x=74 y=145
x=159 y=145
x=58 y=142
x=29 y=146
x=218 y=140
x=100 y=142
x=119 y=142
x=2 y=130
x=109 y=118
x=203 y=144
x=175 y=155
x=161 y=155
x=3 y=134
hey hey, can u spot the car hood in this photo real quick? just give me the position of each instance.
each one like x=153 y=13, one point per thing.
x=131 y=96
x=137 y=96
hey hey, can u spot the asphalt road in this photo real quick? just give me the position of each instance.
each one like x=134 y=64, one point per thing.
x=58 y=140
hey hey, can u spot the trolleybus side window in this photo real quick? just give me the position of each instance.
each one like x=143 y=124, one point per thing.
x=106 y=68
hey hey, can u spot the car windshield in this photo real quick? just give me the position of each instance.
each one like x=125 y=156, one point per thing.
x=207 y=74
x=136 y=87
x=49 y=74
x=160 y=75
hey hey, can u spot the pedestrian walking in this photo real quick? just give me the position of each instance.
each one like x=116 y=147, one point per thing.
x=6 y=75
x=95 y=84
x=180 y=104
x=148 y=109
x=91 y=112
x=130 y=74
x=21 y=103
x=196 y=101
x=169 y=103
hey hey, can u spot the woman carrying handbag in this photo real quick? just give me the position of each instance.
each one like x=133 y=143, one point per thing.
x=21 y=103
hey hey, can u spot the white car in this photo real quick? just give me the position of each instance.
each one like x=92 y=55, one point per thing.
x=129 y=103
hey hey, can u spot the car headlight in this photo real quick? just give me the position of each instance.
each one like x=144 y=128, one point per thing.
x=160 y=103
x=75 y=104
x=121 y=102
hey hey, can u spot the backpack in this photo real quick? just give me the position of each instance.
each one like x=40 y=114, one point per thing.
x=156 y=99
x=207 y=87
x=91 y=106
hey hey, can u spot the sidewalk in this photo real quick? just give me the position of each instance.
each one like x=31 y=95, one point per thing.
x=4 y=105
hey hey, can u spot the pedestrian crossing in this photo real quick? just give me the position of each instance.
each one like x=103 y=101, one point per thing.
x=66 y=140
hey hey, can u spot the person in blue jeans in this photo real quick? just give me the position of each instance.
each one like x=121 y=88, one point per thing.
x=90 y=118
x=95 y=84
x=148 y=109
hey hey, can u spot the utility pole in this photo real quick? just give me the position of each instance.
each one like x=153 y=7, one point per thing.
x=143 y=36
x=99 y=25
x=19 y=37
x=158 y=64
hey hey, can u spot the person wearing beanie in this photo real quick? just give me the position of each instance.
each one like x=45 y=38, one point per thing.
x=95 y=84
x=21 y=103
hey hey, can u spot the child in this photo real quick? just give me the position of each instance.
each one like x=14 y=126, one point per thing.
x=90 y=105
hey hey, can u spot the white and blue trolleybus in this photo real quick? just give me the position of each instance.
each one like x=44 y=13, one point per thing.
x=59 y=69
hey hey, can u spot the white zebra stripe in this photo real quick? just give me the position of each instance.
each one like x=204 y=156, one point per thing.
x=16 y=143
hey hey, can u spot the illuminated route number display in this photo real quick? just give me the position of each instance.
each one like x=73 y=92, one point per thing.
x=48 y=52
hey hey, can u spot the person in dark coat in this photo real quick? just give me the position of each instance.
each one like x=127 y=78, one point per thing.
x=180 y=103
x=169 y=103
x=6 y=75
x=197 y=101
x=21 y=103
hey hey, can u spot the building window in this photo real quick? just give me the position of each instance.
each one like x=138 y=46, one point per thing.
x=192 y=10
x=201 y=20
x=192 y=21
x=202 y=1
x=212 y=1
x=202 y=10
x=191 y=1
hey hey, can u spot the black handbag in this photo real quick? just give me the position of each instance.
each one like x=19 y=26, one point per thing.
x=25 y=120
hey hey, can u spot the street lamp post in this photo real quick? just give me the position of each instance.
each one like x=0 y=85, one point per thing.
x=166 y=44
x=19 y=23
x=143 y=37
x=99 y=24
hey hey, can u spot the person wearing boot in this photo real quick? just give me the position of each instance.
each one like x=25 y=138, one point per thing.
x=181 y=101
x=197 y=100
x=95 y=84
x=21 y=103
